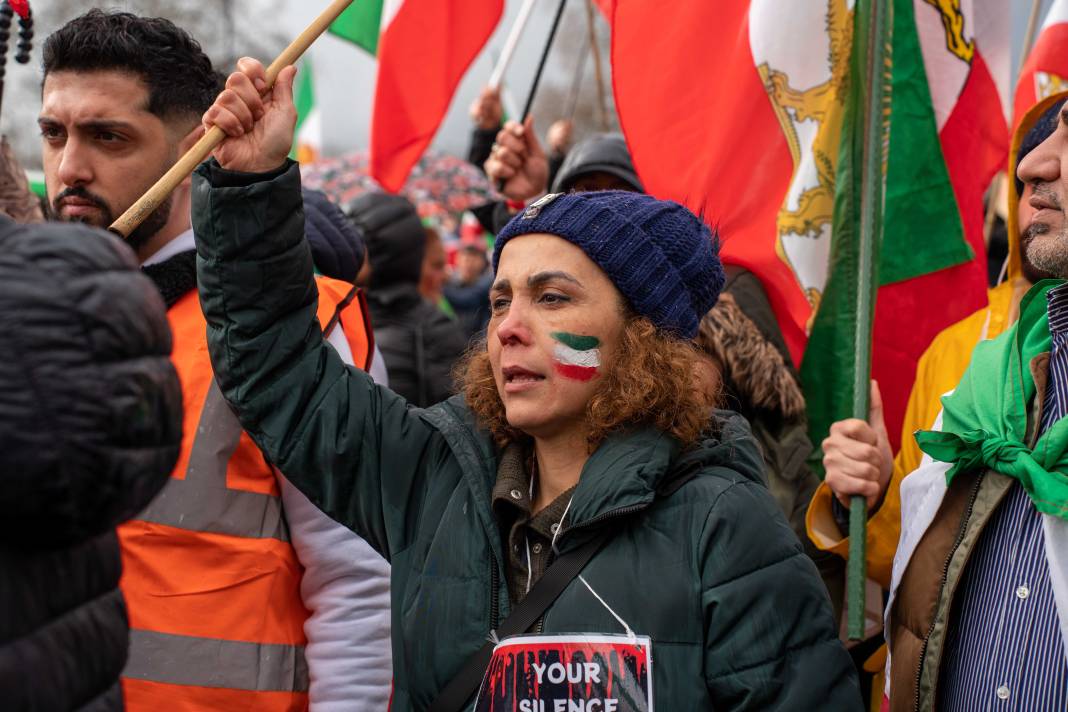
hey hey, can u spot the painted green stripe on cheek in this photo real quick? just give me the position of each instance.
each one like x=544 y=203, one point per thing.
x=576 y=341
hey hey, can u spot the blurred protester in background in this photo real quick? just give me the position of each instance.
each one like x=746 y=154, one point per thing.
x=434 y=272
x=91 y=424
x=17 y=201
x=419 y=342
x=339 y=252
x=468 y=288
x=487 y=115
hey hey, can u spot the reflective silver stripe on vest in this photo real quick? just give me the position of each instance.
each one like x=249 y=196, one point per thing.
x=209 y=662
x=202 y=502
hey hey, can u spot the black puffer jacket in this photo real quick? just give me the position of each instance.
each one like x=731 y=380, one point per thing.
x=90 y=426
x=419 y=343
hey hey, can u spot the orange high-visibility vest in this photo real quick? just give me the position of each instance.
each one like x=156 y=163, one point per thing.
x=211 y=581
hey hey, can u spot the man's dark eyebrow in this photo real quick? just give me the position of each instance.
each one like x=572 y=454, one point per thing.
x=539 y=279
x=105 y=125
x=501 y=285
x=1064 y=113
x=93 y=125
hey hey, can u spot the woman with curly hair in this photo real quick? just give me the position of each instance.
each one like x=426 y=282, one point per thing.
x=578 y=420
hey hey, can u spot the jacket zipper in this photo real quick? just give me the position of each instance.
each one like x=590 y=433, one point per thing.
x=945 y=575
x=494 y=602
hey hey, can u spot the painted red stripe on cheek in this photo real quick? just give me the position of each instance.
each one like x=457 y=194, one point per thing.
x=576 y=373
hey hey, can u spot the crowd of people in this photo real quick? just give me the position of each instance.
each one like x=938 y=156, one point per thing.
x=328 y=457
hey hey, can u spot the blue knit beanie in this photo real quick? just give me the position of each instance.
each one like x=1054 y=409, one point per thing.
x=661 y=256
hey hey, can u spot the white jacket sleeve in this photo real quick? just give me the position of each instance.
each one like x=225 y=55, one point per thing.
x=346 y=589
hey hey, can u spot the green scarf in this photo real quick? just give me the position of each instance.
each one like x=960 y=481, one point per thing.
x=984 y=421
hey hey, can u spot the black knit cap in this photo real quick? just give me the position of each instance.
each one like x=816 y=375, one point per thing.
x=659 y=255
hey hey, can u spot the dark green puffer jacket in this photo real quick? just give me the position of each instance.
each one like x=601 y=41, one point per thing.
x=737 y=614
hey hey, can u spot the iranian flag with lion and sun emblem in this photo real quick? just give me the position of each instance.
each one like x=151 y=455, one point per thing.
x=740 y=108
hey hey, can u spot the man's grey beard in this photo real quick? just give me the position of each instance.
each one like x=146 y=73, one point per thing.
x=1049 y=254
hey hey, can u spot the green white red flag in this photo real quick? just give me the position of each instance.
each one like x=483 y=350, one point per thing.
x=739 y=108
x=1046 y=70
x=308 y=134
x=424 y=48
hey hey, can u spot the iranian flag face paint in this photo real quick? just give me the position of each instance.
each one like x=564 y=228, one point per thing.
x=577 y=357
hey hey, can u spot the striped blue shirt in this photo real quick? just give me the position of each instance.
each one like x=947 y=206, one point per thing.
x=1003 y=647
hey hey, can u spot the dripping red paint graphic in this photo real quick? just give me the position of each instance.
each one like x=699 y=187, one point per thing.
x=569 y=673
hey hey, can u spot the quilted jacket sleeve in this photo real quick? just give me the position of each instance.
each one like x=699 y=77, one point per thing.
x=352 y=447
x=770 y=641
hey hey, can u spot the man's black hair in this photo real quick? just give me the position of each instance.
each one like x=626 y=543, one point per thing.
x=179 y=76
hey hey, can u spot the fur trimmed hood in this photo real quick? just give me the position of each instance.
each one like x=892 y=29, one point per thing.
x=752 y=368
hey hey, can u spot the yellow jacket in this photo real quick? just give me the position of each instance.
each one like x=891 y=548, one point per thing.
x=937 y=372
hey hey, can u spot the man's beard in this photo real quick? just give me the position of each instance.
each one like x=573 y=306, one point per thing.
x=136 y=239
x=1049 y=255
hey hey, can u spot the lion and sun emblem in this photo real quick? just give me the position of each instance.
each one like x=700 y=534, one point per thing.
x=808 y=92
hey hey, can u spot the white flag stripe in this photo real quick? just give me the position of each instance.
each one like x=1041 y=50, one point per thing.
x=1058 y=12
x=590 y=358
x=389 y=11
x=946 y=72
x=992 y=41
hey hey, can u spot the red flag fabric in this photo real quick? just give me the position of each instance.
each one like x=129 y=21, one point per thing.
x=424 y=50
x=1046 y=70
x=735 y=109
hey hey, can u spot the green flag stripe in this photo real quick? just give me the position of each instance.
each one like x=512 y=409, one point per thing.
x=922 y=230
x=576 y=341
x=304 y=94
x=304 y=98
x=360 y=24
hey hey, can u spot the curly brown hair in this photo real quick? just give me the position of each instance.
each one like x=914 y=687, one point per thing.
x=652 y=382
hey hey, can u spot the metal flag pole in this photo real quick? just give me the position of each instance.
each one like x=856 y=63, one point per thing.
x=157 y=194
x=875 y=16
x=541 y=63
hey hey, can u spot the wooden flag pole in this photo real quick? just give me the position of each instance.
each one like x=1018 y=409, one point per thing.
x=1029 y=36
x=873 y=189
x=158 y=193
x=597 y=70
x=576 y=83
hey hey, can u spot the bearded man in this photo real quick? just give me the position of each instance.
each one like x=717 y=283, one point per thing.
x=978 y=610
x=229 y=574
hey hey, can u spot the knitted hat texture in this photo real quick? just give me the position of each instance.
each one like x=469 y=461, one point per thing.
x=661 y=256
